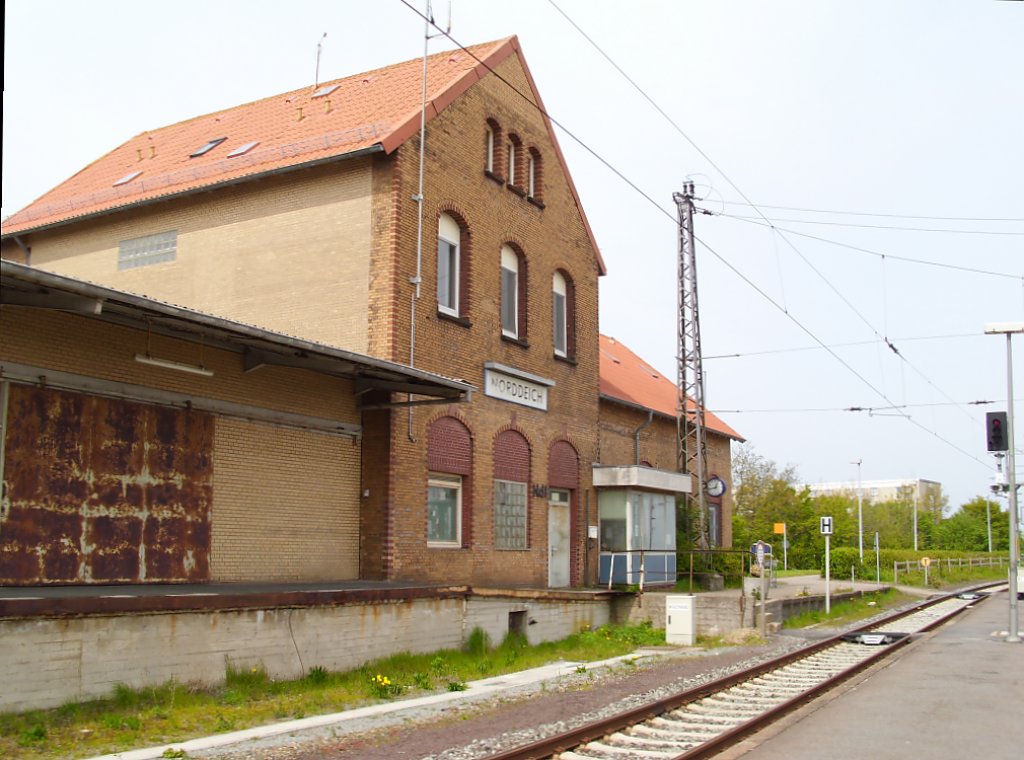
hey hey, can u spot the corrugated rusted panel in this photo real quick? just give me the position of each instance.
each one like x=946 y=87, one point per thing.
x=104 y=491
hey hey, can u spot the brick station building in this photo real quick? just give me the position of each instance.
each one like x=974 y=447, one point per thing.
x=302 y=214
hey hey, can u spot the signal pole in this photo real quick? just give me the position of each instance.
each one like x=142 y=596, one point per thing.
x=1008 y=329
x=691 y=447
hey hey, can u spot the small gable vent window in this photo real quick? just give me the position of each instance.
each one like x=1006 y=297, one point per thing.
x=126 y=179
x=241 y=150
x=208 y=147
x=327 y=89
x=151 y=249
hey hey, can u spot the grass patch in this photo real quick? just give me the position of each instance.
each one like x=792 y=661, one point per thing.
x=174 y=712
x=850 y=611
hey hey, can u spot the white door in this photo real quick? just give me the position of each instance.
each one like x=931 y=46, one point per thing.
x=558 y=539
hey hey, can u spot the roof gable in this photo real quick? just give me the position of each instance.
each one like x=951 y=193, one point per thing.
x=374 y=111
x=628 y=378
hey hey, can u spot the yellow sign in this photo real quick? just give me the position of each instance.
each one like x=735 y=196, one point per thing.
x=779 y=528
x=925 y=561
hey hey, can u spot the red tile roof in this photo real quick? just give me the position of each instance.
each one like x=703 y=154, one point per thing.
x=377 y=110
x=628 y=378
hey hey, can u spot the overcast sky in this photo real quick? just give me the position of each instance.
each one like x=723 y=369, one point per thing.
x=903 y=114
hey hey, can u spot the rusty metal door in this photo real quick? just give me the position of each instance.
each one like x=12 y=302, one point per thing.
x=104 y=490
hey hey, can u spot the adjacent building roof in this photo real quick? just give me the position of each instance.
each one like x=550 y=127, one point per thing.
x=36 y=288
x=376 y=111
x=628 y=379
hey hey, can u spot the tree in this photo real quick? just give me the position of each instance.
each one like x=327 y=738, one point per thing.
x=967 y=528
x=765 y=495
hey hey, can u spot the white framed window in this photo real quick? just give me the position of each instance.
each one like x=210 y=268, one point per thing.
x=151 y=249
x=559 y=318
x=490 y=149
x=511 y=163
x=510 y=504
x=509 y=292
x=448 y=237
x=444 y=510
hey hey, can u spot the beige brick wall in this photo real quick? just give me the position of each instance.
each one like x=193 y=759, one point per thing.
x=286 y=505
x=285 y=501
x=90 y=347
x=306 y=234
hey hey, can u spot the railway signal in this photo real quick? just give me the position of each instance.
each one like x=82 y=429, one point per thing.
x=995 y=431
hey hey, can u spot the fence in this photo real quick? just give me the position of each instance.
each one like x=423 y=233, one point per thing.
x=936 y=565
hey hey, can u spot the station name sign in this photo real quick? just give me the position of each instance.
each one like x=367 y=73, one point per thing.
x=515 y=387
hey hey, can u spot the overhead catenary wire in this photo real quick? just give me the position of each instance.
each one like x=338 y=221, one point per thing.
x=870 y=252
x=661 y=209
x=875 y=226
x=880 y=214
x=728 y=179
x=840 y=345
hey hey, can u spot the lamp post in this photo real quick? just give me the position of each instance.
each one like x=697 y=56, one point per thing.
x=860 y=513
x=1008 y=329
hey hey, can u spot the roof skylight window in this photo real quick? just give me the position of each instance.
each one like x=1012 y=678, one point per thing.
x=241 y=150
x=127 y=178
x=208 y=147
x=327 y=89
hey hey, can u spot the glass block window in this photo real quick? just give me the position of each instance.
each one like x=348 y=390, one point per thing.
x=509 y=514
x=151 y=249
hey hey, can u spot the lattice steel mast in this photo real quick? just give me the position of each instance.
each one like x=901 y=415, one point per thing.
x=691 y=449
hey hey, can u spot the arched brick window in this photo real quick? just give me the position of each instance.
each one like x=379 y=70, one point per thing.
x=513 y=292
x=449 y=484
x=534 y=175
x=563 y=316
x=511 y=491
x=494 y=149
x=516 y=163
x=453 y=265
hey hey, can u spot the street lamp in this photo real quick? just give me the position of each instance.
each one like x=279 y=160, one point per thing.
x=1008 y=329
x=860 y=513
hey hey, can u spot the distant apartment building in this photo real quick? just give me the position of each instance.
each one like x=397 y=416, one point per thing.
x=879 y=491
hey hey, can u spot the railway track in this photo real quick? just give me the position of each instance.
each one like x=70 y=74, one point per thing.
x=700 y=722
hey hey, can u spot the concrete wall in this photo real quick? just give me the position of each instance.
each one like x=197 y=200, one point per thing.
x=720 y=615
x=46 y=662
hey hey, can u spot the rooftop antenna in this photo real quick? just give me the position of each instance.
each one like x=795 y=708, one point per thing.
x=319 y=49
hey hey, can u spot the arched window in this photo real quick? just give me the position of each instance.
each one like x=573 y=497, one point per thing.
x=534 y=175
x=510 y=288
x=511 y=497
x=449 y=484
x=563 y=321
x=493 y=149
x=449 y=265
x=515 y=161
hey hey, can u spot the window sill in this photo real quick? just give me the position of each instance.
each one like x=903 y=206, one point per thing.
x=517 y=341
x=492 y=176
x=447 y=547
x=517 y=190
x=571 y=360
x=536 y=202
x=462 y=321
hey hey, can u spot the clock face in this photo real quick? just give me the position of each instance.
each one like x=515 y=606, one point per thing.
x=715 y=487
